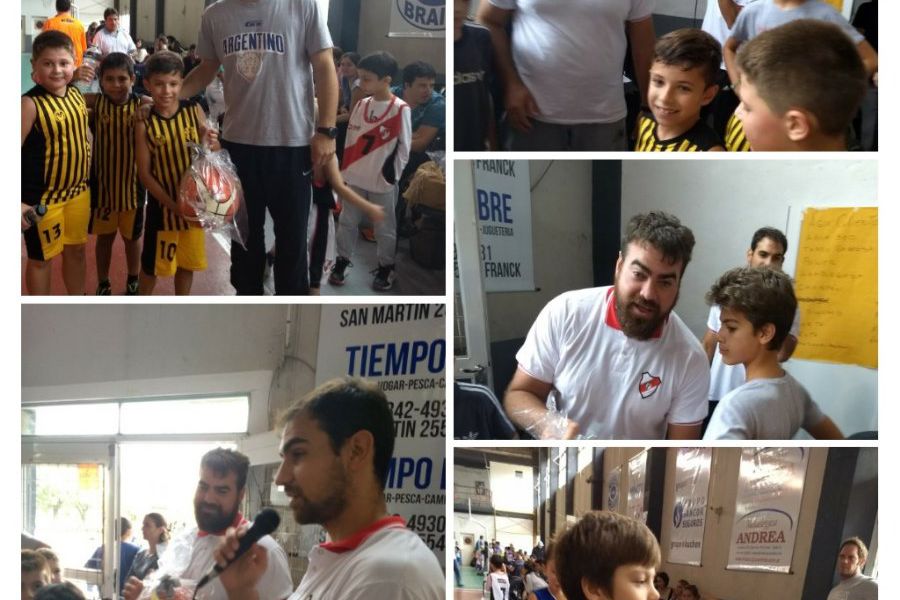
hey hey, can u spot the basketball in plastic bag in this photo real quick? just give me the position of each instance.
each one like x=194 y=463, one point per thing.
x=208 y=188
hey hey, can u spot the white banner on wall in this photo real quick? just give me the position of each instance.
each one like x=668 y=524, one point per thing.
x=767 y=508
x=417 y=18
x=503 y=206
x=612 y=489
x=689 y=513
x=401 y=347
x=637 y=487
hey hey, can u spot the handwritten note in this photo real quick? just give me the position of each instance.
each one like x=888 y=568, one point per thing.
x=837 y=286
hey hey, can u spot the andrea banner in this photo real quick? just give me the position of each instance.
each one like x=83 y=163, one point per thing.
x=767 y=508
x=689 y=512
x=400 y=347
x=417 y=18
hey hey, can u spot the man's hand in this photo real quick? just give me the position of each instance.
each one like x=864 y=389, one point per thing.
x=133 y=588
x=84 y=73
x=26 y=224
x=520 y=106
x=323 y=148
x=241 y=576
x=142 y=112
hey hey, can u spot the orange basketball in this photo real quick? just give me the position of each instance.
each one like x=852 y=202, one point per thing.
x=211 y=188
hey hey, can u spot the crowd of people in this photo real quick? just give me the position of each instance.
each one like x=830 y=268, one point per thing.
x=126 y=144
x=530 y=78
x=608 y=556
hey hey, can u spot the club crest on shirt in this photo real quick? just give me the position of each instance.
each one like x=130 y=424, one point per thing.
x=648 y=384
x=384 y=132
x=248 y=64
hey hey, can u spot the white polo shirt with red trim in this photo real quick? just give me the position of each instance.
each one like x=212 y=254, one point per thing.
x=275 y=584
x=384 y=560
x=614 y=386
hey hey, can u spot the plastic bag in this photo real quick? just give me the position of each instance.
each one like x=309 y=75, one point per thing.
x=552 y=424
x=166 y=582
x=169 y=587
x=210 y=193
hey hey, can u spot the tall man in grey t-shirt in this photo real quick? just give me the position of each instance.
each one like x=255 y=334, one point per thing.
x=274 y=52
x=854 y=585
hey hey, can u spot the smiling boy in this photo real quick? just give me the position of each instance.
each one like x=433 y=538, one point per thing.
x=758 y=307
x=682 y=82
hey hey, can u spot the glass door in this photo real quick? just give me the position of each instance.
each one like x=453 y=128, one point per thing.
x=70 y=501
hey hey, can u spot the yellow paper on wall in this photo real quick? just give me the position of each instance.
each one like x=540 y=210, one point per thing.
x=837 y=4
x=88 y=476
x=837 y=286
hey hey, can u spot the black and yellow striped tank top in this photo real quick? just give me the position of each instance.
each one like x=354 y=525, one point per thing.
x=698 y=138
x=170 y=156
x=115 y=170
x=56 y=153
x=735 y=140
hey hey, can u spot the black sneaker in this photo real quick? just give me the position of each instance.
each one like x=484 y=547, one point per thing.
x=337 y=275
x=131 y=288
x=104 y=289
x=384 y=278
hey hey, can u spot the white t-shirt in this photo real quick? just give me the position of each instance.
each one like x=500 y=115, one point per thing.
x=764 y=409
x=386 y=560
x=614 y=386
x=714 y=23
x=569 y=54
x=118 y=41
x=533 y=582
x=723 y=377
x=858 y=587
x=275 y=583
x=496 y=586
x=764 y=16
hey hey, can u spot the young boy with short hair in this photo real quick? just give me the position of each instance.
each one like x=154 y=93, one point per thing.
x=496 y=584
x=758 y=307
x=35 y=573
x=379 y=134
x=117 y=199
x=682 y=81
x=607 y=556
x=172 y=246
x=55 y=167
x=800 y=86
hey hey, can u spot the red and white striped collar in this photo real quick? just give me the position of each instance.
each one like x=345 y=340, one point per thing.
x=354 y=541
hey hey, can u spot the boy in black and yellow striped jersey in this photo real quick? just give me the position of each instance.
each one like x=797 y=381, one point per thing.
x=116 y=198
x=172 y=245
x=55 y=166
x=682 y=81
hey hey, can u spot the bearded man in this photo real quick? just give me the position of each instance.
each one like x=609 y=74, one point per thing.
x=624 y=366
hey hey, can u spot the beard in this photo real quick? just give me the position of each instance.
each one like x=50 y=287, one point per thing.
x=640 y=328
x=212 y=519
x=309 y=512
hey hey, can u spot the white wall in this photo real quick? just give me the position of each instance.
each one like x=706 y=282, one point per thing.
x=512 y=493
x=561 y=226
x=374 y=24
x=724 y=204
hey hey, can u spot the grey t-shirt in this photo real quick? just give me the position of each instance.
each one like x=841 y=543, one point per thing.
x=762 y=16
x=764 y=409
x=266 y=49
x=858 y=587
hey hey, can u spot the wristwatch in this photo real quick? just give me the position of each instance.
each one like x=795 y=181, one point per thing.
x=329 y=131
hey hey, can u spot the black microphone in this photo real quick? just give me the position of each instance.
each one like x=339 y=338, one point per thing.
x=265 y=523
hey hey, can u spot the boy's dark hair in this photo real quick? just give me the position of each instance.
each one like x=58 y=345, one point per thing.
x=354 y=58
x=343 y=406
x=664 y=576
x=810 y=65
x=33 y=561
x=599 y=543
x=336 y=53
x=761 y=295
x=116 y=60
x=110 y=11
x=692 y=589
x=417 y=69
x=380 y=63
x=163 y=62
x=690 y=49
x=496 y=561
x=124 y=525
x=63 y=5
x=222 y=461
x=662 y=231
x=769 y=232
x=51 y=40
x=59 y=591
x=47 y=553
